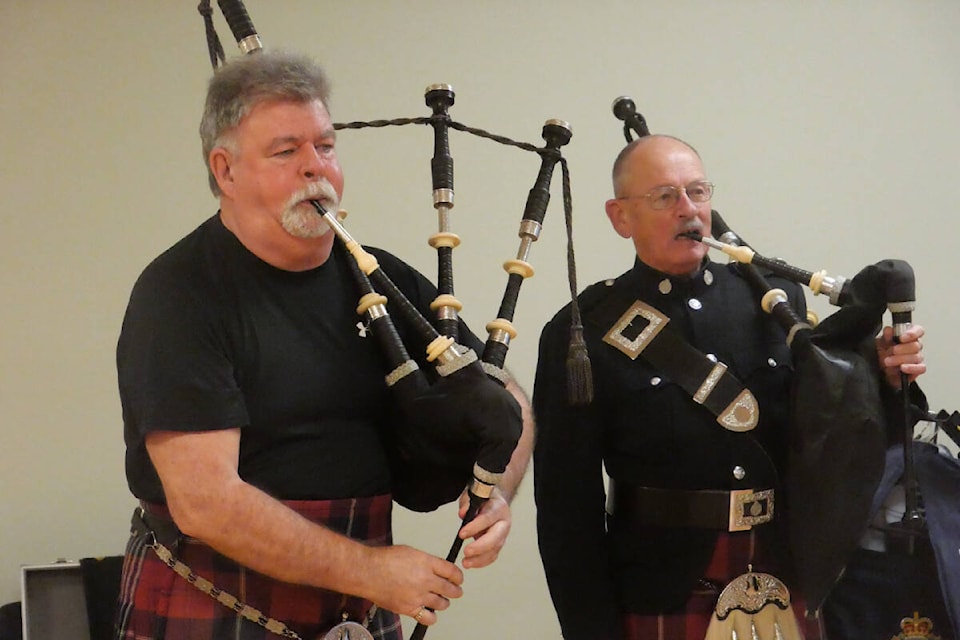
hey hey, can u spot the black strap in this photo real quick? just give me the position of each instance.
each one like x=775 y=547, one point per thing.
x=644 y=330
x=164 y=530
x=214 y=47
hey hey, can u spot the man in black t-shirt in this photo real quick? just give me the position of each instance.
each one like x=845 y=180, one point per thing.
x=260 y=431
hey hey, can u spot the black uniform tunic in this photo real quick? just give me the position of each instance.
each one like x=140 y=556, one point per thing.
x=647 y=430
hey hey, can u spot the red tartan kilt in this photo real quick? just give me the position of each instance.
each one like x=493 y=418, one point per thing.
x=732 y=554
x=157 y=603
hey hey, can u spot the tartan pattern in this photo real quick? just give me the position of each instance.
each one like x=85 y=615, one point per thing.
x=156 y=604
x=731 y=555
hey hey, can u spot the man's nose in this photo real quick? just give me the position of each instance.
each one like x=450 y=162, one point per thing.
x=313 y=163
x=686 y=206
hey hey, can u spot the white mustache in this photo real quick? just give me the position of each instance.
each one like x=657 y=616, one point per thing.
x=321 y=190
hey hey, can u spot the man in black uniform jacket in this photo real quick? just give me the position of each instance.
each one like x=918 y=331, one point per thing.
x=691 y=382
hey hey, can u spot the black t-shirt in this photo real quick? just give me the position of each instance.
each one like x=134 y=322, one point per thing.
x=215 y=338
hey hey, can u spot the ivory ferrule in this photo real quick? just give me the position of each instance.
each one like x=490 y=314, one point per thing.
x=817 y=280
x=820 y=282
x=484 y=481
x=740 y=254
x=772 y=298
x=501 y=330
x=367 y=263
x=374 y=304
x=444 y=239
x=446 y=300
x=518 y=267
x=487 y=477
x=796 y=329
x=440 y=348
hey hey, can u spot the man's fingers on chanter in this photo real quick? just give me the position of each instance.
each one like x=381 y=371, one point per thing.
x=449 y=572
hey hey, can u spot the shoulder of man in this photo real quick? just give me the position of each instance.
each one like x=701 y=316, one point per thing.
x=587 y=299
x=178 y=264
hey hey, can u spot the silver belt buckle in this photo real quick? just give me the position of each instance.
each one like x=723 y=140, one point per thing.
x=749 y=508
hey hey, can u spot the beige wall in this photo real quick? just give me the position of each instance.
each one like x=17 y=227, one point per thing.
x=830 y=129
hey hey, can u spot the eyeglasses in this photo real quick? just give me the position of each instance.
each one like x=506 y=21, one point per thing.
x=667 y=196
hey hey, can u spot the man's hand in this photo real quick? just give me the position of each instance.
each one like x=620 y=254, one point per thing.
x=489 y=530
x=413 y=583
x=904 y=355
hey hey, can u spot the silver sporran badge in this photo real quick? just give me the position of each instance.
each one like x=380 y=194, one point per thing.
x=348 y=631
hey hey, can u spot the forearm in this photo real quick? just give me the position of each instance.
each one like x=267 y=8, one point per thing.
x=261 y=533
x=209 y=501
x=520 y=460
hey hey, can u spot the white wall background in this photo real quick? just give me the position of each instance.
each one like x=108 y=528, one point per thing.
x=830 y=128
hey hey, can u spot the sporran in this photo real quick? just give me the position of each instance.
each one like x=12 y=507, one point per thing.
x=348 y=631
x=754 y=606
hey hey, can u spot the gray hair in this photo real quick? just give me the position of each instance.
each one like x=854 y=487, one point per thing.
x=242 y=83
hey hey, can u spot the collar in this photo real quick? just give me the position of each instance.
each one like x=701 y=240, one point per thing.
x=656 y=284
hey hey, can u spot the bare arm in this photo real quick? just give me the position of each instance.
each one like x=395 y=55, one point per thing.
x=209 y=501
x=520 y=459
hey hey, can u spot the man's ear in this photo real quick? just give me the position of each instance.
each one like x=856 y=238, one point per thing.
x=618 y=217
x=220 y=164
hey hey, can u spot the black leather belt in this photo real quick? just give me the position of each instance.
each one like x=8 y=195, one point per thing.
x=155 y=519
x=739 y=510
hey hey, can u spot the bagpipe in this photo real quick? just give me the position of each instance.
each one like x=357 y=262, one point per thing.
x=458 y=414
x=845 y=420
